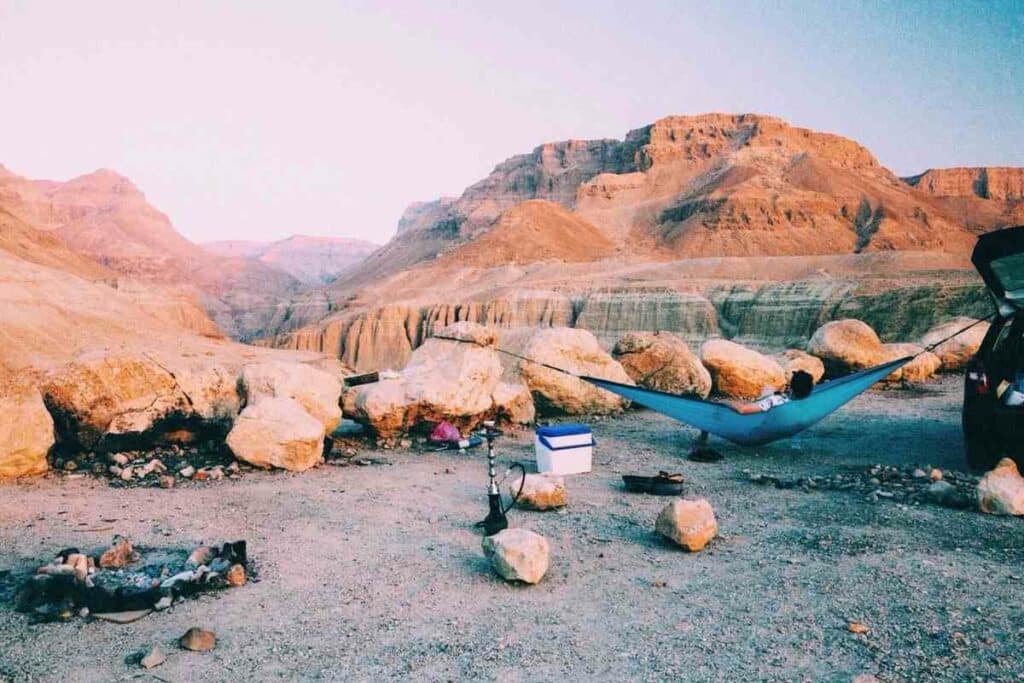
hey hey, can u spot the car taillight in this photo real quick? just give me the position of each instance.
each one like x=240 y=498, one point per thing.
x=977 y=379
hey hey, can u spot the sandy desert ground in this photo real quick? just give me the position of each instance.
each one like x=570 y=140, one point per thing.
x=375 y=572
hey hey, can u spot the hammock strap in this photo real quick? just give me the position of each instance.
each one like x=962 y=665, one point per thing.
x=932 y=347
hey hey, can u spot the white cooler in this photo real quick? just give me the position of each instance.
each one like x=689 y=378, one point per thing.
x=564 y=449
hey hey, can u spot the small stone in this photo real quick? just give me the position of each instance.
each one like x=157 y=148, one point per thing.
x=84 y=612
x=70 y=466
x=166 y=481
x=540 y=492
x=119 y=459
x=919 y=473
x=215 y=473
x=163 y=603
x=233 y=468
x=117 y=555
x=874 y=481
x=152 y=656
x=201 y=475
x=688 y=523
x=864 y=678
x=945 y=494
x=198 y=640
x=114 y=470
x=935 y=474
x=187 y=471
x=127 y=473
x=405 y=443
x=518 y=554
x=236 y=575
x=857 y=627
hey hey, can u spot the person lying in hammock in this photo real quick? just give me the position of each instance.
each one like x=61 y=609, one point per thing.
x=800 y=386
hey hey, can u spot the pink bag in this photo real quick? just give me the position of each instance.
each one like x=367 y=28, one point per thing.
x=444 y=432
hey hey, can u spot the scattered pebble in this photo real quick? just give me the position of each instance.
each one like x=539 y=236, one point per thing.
x=198 y=640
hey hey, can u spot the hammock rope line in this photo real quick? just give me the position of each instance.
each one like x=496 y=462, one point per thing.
x=751 y=428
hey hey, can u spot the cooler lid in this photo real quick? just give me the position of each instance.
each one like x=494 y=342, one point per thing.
x=570 y=429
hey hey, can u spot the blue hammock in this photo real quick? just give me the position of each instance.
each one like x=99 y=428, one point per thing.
x=756 y=428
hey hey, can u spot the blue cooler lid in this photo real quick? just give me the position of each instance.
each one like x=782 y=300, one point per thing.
x=570 y=429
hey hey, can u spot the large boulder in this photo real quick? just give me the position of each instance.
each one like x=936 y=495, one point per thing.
x=688 y=523
x=739 y=372
x=792 y=360
x=955 y=353
x=318 y=392
x=846 y=346
x=381 y=406
x=277 y=432
x=518 y=554
x=26 y=429
x=513 y=404
x=662 y=361
x=116 y=401
x=923 y=367
x=456 y=381
x=578 y=353
x=1001 y=491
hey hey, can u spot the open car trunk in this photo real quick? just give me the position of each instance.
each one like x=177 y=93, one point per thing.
x=999 y=258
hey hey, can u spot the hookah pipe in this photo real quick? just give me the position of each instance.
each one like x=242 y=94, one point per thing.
x=496 y=519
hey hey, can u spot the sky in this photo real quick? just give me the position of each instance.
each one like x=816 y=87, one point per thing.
x=258 y=120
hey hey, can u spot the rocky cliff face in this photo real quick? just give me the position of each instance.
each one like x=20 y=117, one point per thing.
x=985 y=182
x=767 y=316
x=690 y=186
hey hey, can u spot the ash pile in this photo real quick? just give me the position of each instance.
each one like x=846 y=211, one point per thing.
x=122 y=583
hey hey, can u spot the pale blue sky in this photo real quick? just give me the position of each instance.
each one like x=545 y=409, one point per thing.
x=261 y=119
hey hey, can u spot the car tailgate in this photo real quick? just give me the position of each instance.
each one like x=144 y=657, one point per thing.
x=999 y=258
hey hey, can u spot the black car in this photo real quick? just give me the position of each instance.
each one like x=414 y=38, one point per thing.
x=993 y=414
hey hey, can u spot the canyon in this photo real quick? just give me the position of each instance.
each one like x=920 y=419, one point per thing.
x=310 y=259
x=740 y=226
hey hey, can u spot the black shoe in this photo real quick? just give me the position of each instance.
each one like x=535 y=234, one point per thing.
x=704 y=454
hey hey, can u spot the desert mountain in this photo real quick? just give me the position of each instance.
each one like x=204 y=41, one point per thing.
x=311 y=260
x=740 y=225
x=56 y=304
x=104 y=217
x=709 y=185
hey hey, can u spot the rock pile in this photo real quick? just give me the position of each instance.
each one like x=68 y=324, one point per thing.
x=904 y=485
x=163 y=467
x=120 y=579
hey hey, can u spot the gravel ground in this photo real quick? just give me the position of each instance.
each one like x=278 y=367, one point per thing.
x=376 y=572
